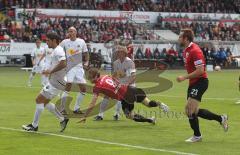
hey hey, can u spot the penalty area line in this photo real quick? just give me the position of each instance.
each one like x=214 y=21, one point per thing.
x=102 y=142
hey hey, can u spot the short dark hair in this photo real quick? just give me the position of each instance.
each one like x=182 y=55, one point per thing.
x=54 y=35
x=187 y=33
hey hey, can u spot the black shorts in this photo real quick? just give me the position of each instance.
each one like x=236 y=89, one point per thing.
x=133 y=94
x=197 y=90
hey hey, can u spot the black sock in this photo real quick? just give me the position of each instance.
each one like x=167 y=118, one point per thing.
x=140 y=118
x=153 y=104
x=195 y=125
x=204 y=113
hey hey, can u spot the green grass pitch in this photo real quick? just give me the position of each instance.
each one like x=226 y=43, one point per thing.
x=124 y=137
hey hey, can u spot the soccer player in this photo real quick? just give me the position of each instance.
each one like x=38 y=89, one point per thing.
x=49 y=92
x=36 y=55
x=75 y=46
x=124 y=68
x=198 y=83
x=112 y=88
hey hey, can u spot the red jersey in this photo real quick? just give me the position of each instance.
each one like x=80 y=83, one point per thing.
x=193 y=56
x=172 y=52
x=110 y=87
x=130 y=51
x=148 y=53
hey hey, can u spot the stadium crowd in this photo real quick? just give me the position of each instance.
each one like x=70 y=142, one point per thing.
x=223 y=6
x=220 y=57
x=91 y=31
x=100 y=31
x=208 y=30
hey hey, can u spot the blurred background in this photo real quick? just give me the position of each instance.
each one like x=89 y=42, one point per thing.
x=149 y=28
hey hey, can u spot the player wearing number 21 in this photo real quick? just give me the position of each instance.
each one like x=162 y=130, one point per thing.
x=198 y=83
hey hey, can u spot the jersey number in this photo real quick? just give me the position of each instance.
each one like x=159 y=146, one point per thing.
x=110 y=82
x=113 y=84
x=194 y=92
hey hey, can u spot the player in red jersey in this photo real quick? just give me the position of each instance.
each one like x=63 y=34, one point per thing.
x=198 y=83
x=111 y=87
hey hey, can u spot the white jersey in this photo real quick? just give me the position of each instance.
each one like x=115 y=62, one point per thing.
x=48 y=55
x=47 y=61
x=58 y=55
x=127 y=66
x=37 y=53
x=56 y=81
x=75 y=47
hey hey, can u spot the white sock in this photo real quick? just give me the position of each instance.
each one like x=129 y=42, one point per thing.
x=52 y=108
x=30 y=78
x=79 y=101
x=39 y=109
x=64 y=100
x=118 y=108
x=103 y=106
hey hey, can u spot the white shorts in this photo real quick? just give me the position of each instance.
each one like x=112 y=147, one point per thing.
x=76 y=75
x=49 y=91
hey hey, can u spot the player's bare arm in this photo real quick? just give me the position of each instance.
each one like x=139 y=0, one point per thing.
x=118 y=74
x=132 y=79
x=33 y=63
x=198 y=72
x=85 y=60
x=90 y=108
x=60 y=66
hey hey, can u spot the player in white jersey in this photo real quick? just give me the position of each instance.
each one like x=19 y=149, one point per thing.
x=77 y=54
x=49 y=92
x=37 y=62
x=47 y=63
x=124 y=70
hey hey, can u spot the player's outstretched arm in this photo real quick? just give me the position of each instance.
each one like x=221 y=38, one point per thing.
x=90 y=108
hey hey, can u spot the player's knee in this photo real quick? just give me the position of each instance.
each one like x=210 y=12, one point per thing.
x=38 y=99
x=41 y=99
x=83 y=89
x=68 y=87
x=192 y=116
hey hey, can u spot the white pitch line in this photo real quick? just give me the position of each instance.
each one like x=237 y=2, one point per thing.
x=102 y=142
x=173 y=96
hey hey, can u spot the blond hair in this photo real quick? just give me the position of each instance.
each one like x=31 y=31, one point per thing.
x=93 y=72
x=123 y=49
